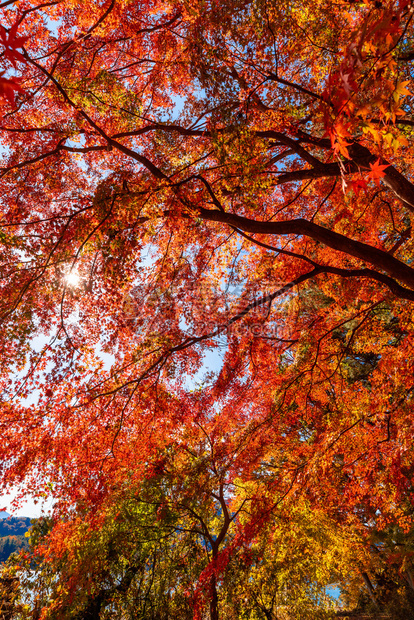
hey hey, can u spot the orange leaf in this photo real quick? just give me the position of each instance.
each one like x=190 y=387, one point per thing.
x=377 y=171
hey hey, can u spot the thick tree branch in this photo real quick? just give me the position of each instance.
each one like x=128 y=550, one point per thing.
x=380 y=259
x=397 y=183
x=399 y=291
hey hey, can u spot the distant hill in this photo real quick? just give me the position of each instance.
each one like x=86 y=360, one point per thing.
x=10 y=544
x=12 y=531
x=4 y=515
x=14 y=526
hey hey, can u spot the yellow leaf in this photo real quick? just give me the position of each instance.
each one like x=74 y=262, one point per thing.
x=401 y=90
x=400 y=141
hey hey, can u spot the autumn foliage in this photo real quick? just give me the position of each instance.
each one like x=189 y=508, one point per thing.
x=206 y=295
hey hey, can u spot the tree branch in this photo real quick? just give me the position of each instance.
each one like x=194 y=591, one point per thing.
x=380 y=259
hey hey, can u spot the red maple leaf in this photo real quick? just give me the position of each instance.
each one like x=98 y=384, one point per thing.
x=11 y=42
x=357 y=185
x=8 y=87
x=377 y=171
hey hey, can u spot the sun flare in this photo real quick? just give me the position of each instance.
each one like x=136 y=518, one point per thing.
x=72 y=278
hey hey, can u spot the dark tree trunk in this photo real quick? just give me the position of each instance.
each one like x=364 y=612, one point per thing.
x=370 y=589
x=213 y=600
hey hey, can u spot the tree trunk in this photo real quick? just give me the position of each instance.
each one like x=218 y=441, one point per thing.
x=370 y=589
x=410 y=579
x=213 y=599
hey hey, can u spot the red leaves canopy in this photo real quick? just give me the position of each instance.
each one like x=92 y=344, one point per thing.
x=181 y=180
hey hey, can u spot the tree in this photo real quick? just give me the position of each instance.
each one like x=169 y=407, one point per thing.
x=10 y=594
x=177 y=177
x=161 y=552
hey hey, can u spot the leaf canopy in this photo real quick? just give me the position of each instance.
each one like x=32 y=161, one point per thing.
x=182 y=180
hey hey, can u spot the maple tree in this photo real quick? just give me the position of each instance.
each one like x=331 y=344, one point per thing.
x=145 y=559
x=185 y=178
